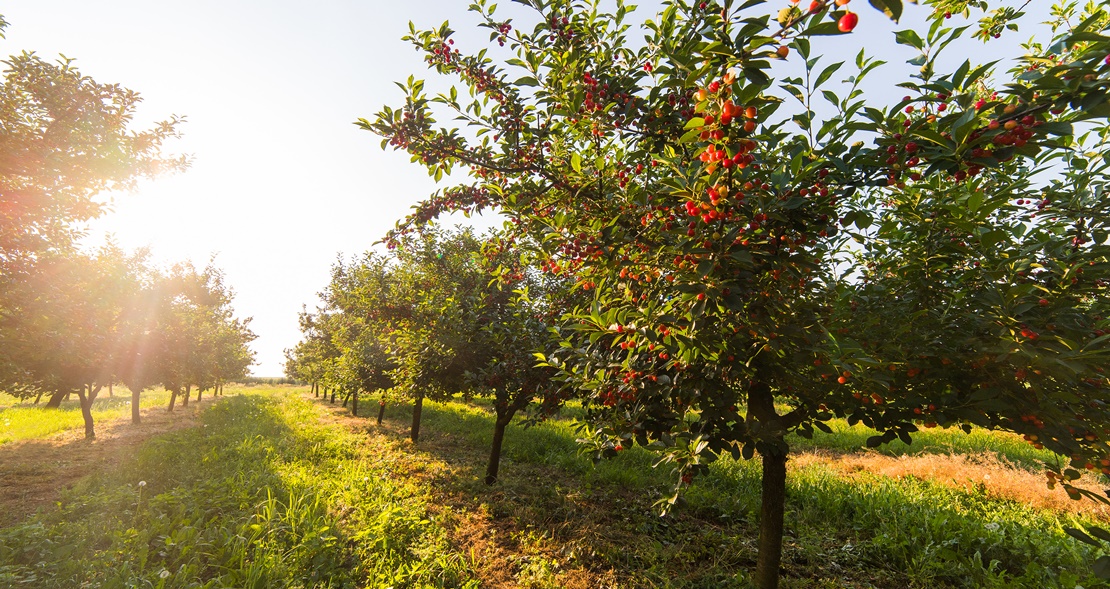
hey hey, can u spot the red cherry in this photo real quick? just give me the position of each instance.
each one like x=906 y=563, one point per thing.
x=847 y=22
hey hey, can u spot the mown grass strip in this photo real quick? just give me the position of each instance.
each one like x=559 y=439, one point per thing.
x=261 y=494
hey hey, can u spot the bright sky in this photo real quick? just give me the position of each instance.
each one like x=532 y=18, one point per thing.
x=282 y=181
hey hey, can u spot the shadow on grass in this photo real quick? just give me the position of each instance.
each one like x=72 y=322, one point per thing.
x=246 y=499
x=864 y=531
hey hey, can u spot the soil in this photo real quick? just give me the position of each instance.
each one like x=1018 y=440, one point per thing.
x=33 y=473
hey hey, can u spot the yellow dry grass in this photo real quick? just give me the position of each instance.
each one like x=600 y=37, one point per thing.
x=998 y=477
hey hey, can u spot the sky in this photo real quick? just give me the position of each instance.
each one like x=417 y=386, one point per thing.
x=282 y=182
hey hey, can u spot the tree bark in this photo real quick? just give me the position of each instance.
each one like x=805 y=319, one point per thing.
x=173 y=397
x=332 y=396
x=56 y=399
x=773 y=450
x=38 y=398
x=200 y=393
x=86 y=409
x=110 y=393
x=346 y=398
x=417 y=409
x=771 y=520
x=495 y=449
x=185 y=397
x=136 y=418
x=381 y=410
x=354 y=404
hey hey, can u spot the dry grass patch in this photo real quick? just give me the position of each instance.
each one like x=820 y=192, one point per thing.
x=999 y=478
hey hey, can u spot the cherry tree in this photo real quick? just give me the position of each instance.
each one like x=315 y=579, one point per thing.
x=762 y=264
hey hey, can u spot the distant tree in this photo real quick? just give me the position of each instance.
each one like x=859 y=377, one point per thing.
x=67 y=326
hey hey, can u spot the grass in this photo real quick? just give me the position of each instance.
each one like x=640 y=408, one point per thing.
x=26 y=421
x=273 y=490
x=261 y=495
x=861 y=531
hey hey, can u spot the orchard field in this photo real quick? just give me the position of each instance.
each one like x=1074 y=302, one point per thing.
x=271 y=487
x=755 y=310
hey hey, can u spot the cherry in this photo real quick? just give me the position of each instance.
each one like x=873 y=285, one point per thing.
x=847 y=22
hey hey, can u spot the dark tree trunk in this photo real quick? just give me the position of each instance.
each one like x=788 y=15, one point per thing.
x=173 y=397
x=417 y=409
x=136 y=418
x=381 y=410
x=773 y=450
x=110 y=393
x=315 y=390
x=495 y=448
x=333 y=396
x=346 y=398
x=200 y=393
x=185 y=397
x=38 y=398
x=56 y=399
x=354 y=404
x=770 y=520
x=86 y=409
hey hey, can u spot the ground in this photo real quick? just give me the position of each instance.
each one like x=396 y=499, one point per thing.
x=33 y=473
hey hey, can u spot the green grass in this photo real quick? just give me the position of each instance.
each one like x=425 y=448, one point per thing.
x=26 y=421
x=260 y=495
x=863 y=531
x=265 y=494
x=950 y=440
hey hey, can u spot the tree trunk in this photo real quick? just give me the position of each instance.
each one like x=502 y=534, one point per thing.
x=354 y=404
x=56 y=399
x=381 y=410
x=110 y=393
x=86 y=409
x=173 y=397
x=773 y=450
x=315 y=390
x=770 y=520
x=200 y=393
x=417 y=409
x=38 y=398
x=185 y=397
x=136 y=418
x=495 y=449
x=332 y=396
x=346 y=398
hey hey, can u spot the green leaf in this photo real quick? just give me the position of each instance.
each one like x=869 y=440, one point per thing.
x=909 y=37
x=1099 y=533
x=576 y=162
x=825 y=28
x=1101 y=567
x=1082 y=537
x=891 y=8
